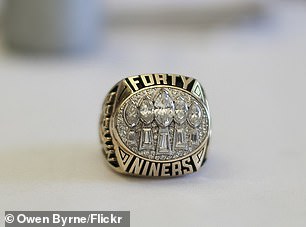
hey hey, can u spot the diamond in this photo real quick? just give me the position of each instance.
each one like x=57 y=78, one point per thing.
x=146 y=140
x=163 y=142
x=131 y=114
x=194 y=137
x=194 y=115
x=146 y=111
x=180 y=110
x=180 y=141
x=164 y=108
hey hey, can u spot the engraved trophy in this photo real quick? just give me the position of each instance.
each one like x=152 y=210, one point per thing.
x=147 y=116
x=131 y=117
x=164 y=111
x=180 y=141
x=194 y=119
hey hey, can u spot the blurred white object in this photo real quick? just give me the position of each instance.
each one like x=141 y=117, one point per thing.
x=181 y=12
x=50 y=25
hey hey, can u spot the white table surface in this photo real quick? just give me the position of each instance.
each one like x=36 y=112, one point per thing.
x=254 y=76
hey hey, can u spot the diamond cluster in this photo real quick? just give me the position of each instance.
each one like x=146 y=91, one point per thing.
x=162 y=123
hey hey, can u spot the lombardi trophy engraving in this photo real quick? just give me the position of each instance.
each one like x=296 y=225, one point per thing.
x=164 y=111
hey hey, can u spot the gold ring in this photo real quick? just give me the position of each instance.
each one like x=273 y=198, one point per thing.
x=155 y=125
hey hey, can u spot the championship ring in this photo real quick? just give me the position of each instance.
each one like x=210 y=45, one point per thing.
x=155 y=125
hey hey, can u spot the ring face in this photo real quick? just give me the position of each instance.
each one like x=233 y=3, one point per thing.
x=156 y=125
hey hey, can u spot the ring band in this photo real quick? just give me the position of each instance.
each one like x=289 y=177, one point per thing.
x=155 y=125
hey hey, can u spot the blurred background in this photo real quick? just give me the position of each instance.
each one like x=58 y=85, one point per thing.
x=58 y=58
